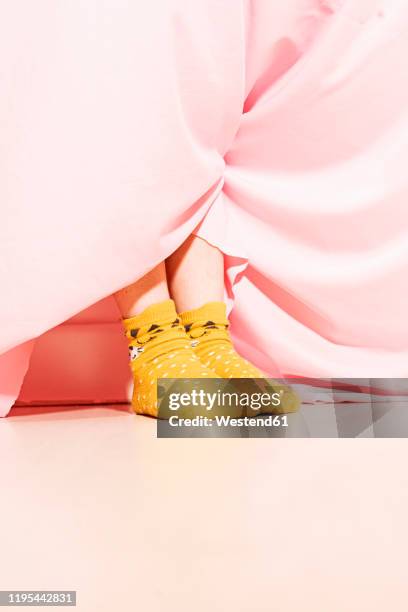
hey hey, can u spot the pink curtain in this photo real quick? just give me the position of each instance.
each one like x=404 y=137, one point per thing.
x=279 y=130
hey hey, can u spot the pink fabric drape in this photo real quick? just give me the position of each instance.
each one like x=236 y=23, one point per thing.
x=279 y=129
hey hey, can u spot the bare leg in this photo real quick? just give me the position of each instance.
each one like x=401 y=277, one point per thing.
x=148 y=290
x=195 y=274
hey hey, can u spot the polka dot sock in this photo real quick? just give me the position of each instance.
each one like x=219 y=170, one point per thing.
x=159 y=348
x=207 y=328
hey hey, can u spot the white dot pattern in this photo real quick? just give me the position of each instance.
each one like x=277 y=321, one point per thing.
x=181 y=363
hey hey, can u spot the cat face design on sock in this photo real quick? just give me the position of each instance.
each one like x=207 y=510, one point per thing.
x=135 y=351
x=197 y=333
x=153 y=331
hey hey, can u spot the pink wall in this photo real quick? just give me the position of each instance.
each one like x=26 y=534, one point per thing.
x=83 y=360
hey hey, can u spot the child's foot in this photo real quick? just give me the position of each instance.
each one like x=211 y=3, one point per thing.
x=207 y=328
x=159 y=348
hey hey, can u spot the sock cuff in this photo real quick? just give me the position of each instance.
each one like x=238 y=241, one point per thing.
x=152 y=314
x=212 y=311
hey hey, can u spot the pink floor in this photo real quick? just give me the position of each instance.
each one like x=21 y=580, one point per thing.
x=92 y=501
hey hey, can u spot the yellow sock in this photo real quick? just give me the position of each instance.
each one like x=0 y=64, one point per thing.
x=207 y=328
x=159 y=348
